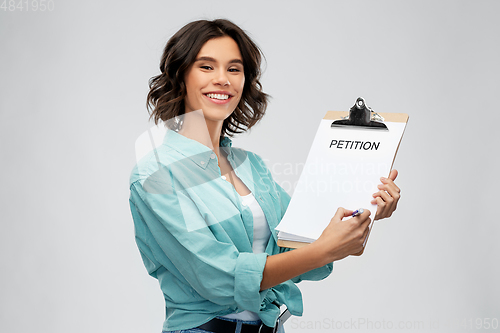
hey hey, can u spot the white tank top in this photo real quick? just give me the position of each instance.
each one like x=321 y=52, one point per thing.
x=261 y=234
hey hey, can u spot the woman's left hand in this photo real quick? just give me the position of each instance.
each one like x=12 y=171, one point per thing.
x=387 y=198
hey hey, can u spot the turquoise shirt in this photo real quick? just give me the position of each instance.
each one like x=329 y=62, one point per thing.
x=195 y=236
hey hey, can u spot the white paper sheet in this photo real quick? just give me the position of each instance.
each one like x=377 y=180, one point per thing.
x=343 y=169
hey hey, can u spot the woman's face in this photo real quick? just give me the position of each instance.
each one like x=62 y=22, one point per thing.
x=214 y=82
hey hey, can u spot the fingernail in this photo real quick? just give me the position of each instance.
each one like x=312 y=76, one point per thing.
x=382 y=179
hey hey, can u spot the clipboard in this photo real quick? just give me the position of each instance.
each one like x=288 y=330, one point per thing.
x=345 y=162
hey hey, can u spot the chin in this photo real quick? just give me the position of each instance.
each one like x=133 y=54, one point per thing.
x=216 y=115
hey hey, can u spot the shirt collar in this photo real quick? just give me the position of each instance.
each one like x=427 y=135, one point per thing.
x=226 y=142
x=192 y=149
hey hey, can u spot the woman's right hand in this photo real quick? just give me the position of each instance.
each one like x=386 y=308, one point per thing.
x=339 y=239
x=344 y=237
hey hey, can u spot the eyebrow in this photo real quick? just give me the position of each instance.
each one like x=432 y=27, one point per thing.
x=234 y=61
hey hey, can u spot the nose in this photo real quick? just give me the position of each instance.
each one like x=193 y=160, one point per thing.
x=221 y=78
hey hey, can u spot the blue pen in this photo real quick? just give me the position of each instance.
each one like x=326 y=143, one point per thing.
x=358 y=212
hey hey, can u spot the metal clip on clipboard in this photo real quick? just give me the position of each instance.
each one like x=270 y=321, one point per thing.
x=362 y=116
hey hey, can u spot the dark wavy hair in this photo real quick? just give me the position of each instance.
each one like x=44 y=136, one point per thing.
x=168 y=90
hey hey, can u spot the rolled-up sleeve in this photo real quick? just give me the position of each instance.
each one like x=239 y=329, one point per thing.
x=248 y=278
x=316 y=274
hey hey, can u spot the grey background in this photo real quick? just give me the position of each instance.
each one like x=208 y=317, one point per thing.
x=73 y=83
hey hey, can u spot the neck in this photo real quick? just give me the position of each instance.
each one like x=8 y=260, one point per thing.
x=205 y=131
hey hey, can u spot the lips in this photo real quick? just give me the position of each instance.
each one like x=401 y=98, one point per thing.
x=217 y=96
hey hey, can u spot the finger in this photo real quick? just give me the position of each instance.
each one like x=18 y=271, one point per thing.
x=341 y=213
x=348 y=212
x=375 y=196
x=393 y=175
x=366 y=223
x=358 y=220
x=363 y=217
x=367 y=231
x=388 y=199
x=379 y=201
x=363 y=238
x=381 y=208
x=393 y=191
x=361 y=225
x=387 y=205
x=391 y=188
x=389 y=183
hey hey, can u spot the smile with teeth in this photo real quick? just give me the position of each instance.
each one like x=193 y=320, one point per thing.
x=218 y=96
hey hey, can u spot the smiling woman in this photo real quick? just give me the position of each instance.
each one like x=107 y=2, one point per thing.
x=166 y=99
x=214 y=83
x=205 y=213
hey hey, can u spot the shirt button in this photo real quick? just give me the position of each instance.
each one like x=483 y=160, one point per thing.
x=202 y=162
x=212 y=156
x=223 y=177
x=260 y=198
